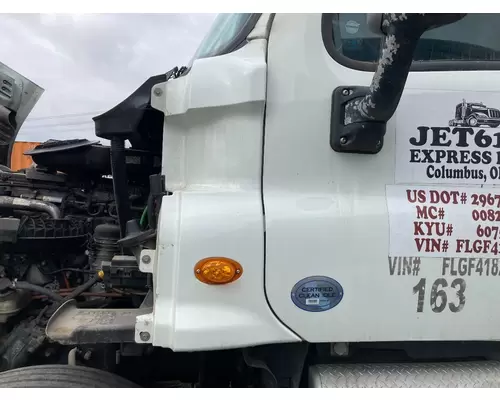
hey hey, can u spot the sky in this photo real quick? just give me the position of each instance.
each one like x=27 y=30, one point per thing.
x=89 y=63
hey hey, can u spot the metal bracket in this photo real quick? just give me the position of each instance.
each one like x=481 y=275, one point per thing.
x=71 y=325
x=366 y=137
x=144 y=328
x=147 y=261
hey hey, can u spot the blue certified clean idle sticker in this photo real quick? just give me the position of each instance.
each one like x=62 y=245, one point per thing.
x=317 y=293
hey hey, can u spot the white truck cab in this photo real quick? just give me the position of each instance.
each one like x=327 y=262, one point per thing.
x=333 y=245
x=325 y=210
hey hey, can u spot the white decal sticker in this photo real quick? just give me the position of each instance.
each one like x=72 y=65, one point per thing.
x=448 y=138
x=443 y=221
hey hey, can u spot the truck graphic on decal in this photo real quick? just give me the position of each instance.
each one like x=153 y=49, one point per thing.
x=475 y=115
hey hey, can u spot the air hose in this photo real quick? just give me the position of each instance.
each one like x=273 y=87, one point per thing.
x=22 y=285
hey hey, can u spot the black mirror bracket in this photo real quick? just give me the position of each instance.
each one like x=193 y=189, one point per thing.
x=360 y=114
x=350 y=133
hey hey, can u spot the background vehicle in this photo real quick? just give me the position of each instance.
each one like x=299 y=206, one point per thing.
x=292 y=211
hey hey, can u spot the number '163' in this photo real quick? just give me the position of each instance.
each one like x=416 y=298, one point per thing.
x=439 y=298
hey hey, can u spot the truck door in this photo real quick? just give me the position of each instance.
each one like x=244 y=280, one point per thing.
x=401 y=244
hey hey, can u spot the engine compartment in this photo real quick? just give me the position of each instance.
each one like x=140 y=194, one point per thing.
x=63 y=240
x=57 y=231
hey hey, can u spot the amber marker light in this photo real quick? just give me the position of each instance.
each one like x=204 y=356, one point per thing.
x=217 y=270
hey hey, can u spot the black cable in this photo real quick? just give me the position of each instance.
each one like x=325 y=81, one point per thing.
x=82 y=288
x=37 y=289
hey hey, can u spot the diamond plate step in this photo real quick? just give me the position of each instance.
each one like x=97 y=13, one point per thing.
x=481 y=374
